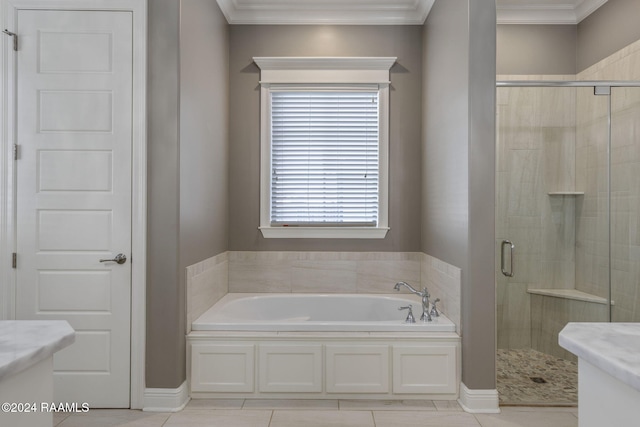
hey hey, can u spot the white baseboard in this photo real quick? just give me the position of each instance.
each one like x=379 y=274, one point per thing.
x=479 y=401
x=166 y=399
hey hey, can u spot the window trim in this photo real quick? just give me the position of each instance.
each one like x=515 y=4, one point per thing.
x=323 y=73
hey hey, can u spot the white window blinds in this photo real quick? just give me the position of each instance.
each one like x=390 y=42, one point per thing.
x=324 y=157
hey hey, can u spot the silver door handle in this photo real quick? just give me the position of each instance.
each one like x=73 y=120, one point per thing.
x=502 y=267
x=120 y=259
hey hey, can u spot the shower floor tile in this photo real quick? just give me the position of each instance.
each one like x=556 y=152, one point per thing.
x=529 y=377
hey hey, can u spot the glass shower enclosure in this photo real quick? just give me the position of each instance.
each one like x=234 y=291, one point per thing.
x=567 y=226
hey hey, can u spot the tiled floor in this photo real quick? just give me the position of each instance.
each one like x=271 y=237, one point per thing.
x=322 y=413
x=516 y=368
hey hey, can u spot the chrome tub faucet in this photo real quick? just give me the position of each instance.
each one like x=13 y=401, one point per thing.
x=423 y=294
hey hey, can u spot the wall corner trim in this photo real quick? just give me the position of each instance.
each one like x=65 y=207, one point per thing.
x=166 y=399
x=479 y=401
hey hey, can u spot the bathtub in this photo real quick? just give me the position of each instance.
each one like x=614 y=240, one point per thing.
x=317 y=312
x=321 y=346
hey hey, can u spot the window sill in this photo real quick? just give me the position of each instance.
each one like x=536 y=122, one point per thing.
x=324 y=232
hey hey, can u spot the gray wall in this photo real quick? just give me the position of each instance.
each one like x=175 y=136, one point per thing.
x=165 y=329
x=204 y=136
x=607 y=30
x=405 y=125
x=536 y=49
x=188 y=184
x=459 y=167
x=568 y=49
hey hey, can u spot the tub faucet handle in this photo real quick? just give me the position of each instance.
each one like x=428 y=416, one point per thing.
x=410 y=318
x=434 y=310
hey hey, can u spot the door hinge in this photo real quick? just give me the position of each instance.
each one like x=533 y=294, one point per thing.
x=15 y=151
x=14 y=260
x=15 y=38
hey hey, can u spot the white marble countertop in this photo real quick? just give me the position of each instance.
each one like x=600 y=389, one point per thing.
x=23 y=343
x=612 y=347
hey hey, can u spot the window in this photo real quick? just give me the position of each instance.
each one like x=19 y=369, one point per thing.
x=324 y=157
x=324 y=147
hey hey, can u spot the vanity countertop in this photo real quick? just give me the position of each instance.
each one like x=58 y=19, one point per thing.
x=612 y=347
x=23 y=343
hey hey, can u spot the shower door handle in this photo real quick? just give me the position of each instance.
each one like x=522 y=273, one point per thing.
x=502 y=266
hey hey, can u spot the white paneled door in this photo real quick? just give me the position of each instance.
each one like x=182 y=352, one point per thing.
x=74 y=133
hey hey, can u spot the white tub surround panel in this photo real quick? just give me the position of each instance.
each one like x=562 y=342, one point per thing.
x=327 y=346
x=608 y=371
x=26 y=369
x=207 y=282
x=324 y=365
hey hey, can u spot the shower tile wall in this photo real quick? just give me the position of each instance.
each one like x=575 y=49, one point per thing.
x=561 y=241
x=536 y=155
x=550 y=315
x=592 y=255
x=625 y=186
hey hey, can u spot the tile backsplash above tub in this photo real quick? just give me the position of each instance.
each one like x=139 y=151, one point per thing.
x=207 y=282
x=332 y=272
x=443 y=281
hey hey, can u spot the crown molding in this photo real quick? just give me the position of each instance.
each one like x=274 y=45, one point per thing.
x=568 y=12
x=393 y=12
x=325 y=12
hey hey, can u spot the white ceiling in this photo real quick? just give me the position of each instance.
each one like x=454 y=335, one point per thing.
x=395 y=12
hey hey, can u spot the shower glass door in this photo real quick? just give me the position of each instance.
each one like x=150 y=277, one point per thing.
x=625 y=204
x=552 y=234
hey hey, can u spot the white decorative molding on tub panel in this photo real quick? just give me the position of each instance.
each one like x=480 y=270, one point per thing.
x=290 y=368
x=357 y=368
x=421 y=369
x=222 y=367
x=335 y=365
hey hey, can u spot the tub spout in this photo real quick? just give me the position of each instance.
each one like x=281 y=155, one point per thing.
x=406 y=285
x=424 y=296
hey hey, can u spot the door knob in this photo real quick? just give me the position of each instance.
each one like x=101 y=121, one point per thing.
x=120 y=259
